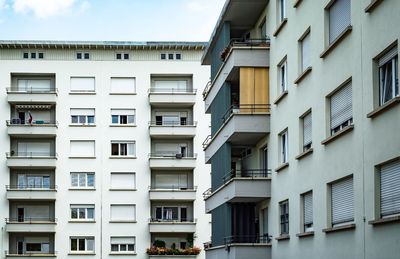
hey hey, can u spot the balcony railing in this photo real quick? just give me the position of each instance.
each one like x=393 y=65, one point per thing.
x=172 y=154
x=14 y=253
x=34 y=154
x=246 y=109
x=31 y=90
x=240 y=42
x=184 y=220
x=173 y=187
x=264 y=239
x=207 y=193
x=247 y=173
x=31 y=220
x=172 y=123
x=19 y=122
x=22 y=187
x=206 y=89
x=172 y=91
x=207 y=141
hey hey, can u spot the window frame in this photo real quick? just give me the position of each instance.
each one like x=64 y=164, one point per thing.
x=307 y=227
x=331 y=209
x=283 y=76
x=306 y=146
x=119 y=251
x=378 y=189
x=348 y=122
x=284 y=217
x=86 y=180
x=394 y=64
x=85 y=209
x=118 y=116
x=282 y=10
x=78 y=239
x=328 y=9
x=284 y=147
x=120 y=143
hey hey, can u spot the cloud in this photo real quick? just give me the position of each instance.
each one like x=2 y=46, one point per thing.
x=42 y=8
x=84 y=6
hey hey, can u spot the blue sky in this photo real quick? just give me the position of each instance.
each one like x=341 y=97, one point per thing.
x=130 y=20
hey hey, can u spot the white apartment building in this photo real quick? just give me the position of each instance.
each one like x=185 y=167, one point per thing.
x=101 y=145
x=331 y=137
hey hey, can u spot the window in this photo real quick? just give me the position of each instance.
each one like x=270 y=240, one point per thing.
x=123 y=212
x=125 y=85
x=33 y=55
x=33 y=181
x=284 y=217
x=263 y=29
x=41 y=55
x=178 y=56
x=26 y=55
x=82 y=116
x=82 y=180
x=123 y=116
x=122 y=56
x=163 y=56
x=307 y=132
x=82 y=55
x=82 y=84
x=171 y=56
x=388 y=76
x=122 y=148
x=82 y=212
x=162 y=85
x=307 y=200
x=82 y=244
x=390 y=189
x=341 y=109
x=171 y=118
x=284 y=146
x=123 y=181
x=339 y=18
x=305 y=51
x=283 y=76
x=342 y=202
x=171 y=213
x=82 y=148
x=122 y=244
x=282 y=10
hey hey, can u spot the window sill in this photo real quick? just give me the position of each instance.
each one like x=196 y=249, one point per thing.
x=305 y=153
x=82 y=125
x=338 y=134
x=297 y=3
x=122 y=93
x=340 y=228
x=123 y=157
x=280 y=97
x=372 y=6
x=281 y=167
x=283 y=237
x=305 y=234
x=82 y=157
x=82 y=93
x=81 y=189
x=123 y=190
x=303 y=75
x=391 y=219
x=81 y=253
x=280 y=27
x=122 y=221
x=122 y=125
x=119 y=253
x=82 y=221
x=384 y=107
x=336 y=42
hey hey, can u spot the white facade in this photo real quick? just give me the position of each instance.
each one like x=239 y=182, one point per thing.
x=116 y=154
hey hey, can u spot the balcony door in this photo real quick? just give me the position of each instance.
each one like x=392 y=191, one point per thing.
x=34 y=84
x=33 y=149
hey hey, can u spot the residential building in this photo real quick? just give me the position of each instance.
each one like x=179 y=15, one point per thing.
x=103 y=148
x=331 y=130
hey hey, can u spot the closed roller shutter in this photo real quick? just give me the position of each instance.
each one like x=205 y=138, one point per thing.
x=307 y=130
x=123 y=85
x=342 y=201
x=82 y=148
x=339 y=18
x=305 y=52
x=123 y=212
x=341 y=106
x=308 y=211
x=77 y=112
x=82 y=84
x=34 y=84
x=390 y=189
x=123 y=181
x=170 y=85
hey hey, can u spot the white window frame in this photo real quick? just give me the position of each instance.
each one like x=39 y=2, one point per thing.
x=390 y=58
x=282 y=10
x=178 y=207
x=114 y=110
x=85 y=209
x=305 y=48
x=120 y=143
x=282 y=73
x=79 y=175
x=389 y=200
x=86 y=244
x=284 y=146
x=84 y=117
x=121 y=245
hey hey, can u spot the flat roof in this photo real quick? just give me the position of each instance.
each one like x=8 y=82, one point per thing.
x=113 y=45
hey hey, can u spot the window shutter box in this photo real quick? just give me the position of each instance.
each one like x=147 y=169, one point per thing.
x=341 y=106
x=388 y=56
x=342 y=201
x=390 y=188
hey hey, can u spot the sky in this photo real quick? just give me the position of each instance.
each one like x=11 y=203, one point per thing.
x=115 y=20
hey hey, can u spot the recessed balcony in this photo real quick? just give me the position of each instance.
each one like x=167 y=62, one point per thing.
x=172 y=96
x=250 y=185
x=31 y=192
x=16 y=127
x=32 y=95
x=39 y=225
x=172 y=129
x=172 y=160
x=22 y=255
x=176 y=193
x=31 y=159
x=172 y=226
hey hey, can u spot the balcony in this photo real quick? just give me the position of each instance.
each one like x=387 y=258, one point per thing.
x=172 y=160
x=172 y=129
x=16 y=127
x=239 y=53
x=236 y=247
x=38 y=225
x=172 y=226
x=32 y=95
x=250 y=185
x=23 y=255
x=172 y=192
x=241 y=125
x=172 y=96
x=172 y=256
x=29 y=192
x=31 y=159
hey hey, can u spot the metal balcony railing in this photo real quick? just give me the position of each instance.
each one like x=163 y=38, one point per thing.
x=252 y=108
x=173 y=187
x=246 y=239
x=31 y=220
x=206 y=89
x=207 y=141
x=34 y=154
x=15 y=253
x=172 y=90
x=173 y=123
x=182 y=220
x=19 y=122
x=247 y=173
x=241 y=42
x=31 y=90
x=172 y=154
x=207 y=193
x=30 y=187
